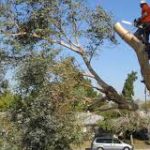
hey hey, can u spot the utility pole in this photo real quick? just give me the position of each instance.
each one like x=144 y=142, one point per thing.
x=145 y=92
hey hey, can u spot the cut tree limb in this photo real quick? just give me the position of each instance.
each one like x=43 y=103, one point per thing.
x=140 y=50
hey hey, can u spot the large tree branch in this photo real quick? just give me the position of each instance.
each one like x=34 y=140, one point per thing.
x=139 y=49
x=93 y=72
x=72 y=46
x=110 y=93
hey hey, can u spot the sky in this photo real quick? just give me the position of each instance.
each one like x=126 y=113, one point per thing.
x=115 y=62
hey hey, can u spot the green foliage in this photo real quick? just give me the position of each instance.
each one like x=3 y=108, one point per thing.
x=77 y=89
x=101 y=26
x=46 y=114
x=54 y=20
x=106 y=125
x=43 y=127
x=128 y=89
x=7 y=99
x=9 y=134
x=32 y=73
x=109 y=116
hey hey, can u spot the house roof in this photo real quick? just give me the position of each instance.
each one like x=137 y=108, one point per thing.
x=89 y=118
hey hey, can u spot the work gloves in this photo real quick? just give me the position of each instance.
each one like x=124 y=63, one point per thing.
x=136 y=22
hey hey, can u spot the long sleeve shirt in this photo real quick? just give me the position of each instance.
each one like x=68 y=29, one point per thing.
x=145 y=18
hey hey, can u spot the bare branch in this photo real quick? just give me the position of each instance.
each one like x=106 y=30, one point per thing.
x=88 y=75
x=14 y=34
x=70 y=46
x=68 y=39
x=92 y=71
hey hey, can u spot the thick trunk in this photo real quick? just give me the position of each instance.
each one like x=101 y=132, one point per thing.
x=139 y=49
x=110 y=93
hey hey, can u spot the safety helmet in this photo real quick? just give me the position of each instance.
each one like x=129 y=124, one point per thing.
x=143 y=2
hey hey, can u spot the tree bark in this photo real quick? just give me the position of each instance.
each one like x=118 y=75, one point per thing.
x=110 y=93
x=140 y=50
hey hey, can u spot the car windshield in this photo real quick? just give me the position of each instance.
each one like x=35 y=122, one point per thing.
x=98 y=140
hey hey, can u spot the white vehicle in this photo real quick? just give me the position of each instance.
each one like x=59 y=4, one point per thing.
x=108 y=143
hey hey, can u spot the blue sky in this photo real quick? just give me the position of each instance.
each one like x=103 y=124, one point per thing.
x=115 y=62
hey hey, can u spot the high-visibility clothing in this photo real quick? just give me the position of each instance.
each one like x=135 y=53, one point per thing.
x=145 y=18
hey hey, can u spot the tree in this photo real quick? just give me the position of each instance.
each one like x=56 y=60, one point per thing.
x=128 y=89
x=64 y=23
x=3 y=81
x=45 y=112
